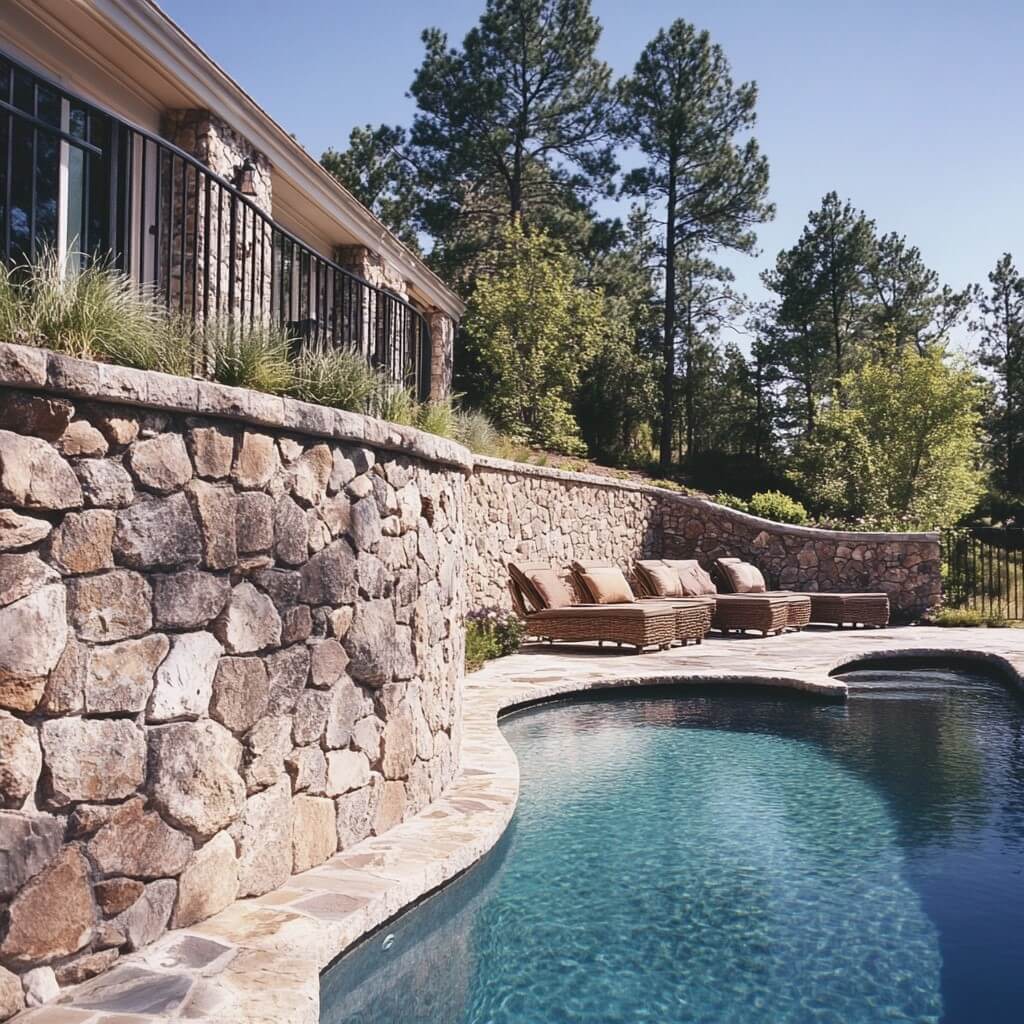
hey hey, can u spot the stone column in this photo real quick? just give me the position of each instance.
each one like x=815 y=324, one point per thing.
x=442 y=341
x=367 y=325
x=184 y=202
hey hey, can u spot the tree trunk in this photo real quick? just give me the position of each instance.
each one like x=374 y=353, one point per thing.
x=669 y=339
x=689 y=389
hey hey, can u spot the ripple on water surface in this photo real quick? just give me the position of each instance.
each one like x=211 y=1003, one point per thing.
x=706 y=858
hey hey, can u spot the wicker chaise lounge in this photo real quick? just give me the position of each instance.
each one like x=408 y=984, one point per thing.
x=866 y=609
x=547 y=602
x=693 y=614
x=739 y=612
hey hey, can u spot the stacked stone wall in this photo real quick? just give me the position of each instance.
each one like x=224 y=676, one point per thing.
x=231 y=635
x=226 y=652
x=517 y=512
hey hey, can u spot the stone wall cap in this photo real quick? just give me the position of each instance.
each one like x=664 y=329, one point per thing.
x=43 y=370
x=665 y=494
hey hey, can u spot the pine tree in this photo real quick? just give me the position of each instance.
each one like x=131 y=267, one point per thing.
x=512 y=125
x=684 y=113
x=376 y=170
x=1000 y=325
x=910 y=306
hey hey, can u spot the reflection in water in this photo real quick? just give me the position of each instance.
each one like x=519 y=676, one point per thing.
x=719 y=857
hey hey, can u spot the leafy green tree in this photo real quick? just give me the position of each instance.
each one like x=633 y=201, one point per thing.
x=901 y=448
x=513 y=124
x=687 y=117
x=531 y=332
x=377 y=172
x=1000 y=325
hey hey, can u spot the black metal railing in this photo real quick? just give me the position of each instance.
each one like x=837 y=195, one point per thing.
x=983 y=569
x=75 y=178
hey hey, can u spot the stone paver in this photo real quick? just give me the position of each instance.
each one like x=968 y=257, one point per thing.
x=259 y=959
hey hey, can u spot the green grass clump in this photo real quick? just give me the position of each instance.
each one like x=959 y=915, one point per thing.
x=94 y=312
x=475 y=430
x=393 y=402
x=966 y=617
x=256 y=356
x=333 y=377
x=438 y=417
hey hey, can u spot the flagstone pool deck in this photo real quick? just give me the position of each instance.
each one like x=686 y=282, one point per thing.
x=259 y=961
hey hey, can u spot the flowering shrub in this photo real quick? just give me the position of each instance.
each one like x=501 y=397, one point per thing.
x=491 y=634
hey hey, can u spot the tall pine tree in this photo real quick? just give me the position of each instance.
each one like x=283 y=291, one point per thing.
x=1000 y=324
x=513 y=125
x=688 y=118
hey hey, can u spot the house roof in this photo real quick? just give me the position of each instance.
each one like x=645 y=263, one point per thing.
x=149 y=59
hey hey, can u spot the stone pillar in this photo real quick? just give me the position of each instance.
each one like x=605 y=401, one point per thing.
x=442 y=340
x=372 y=267
x=370 y=329
x=216 y=144
x=188 y=221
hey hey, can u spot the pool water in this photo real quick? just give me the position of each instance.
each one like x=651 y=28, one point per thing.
x=733 y=858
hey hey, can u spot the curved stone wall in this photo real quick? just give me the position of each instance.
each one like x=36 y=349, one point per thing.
x=231 y=638
x=530 y=512
x=229 y=647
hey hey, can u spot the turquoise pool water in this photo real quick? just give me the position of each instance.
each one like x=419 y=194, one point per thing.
x=733 y=859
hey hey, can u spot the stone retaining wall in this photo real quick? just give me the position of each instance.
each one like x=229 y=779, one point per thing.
x=231 y=636
x=524 y=512
x=227 y=650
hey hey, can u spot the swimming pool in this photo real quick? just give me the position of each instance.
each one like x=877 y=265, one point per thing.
x=723 y=857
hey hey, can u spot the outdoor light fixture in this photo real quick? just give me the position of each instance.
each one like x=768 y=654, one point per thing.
x=245 y=177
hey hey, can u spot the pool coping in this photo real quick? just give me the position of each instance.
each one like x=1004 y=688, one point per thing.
x=259 y=961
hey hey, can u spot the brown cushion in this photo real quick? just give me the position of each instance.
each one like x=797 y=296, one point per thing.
x=553 y=588
x=695 y=582
x=743 y=577
x=607 y=586
x=664 y=581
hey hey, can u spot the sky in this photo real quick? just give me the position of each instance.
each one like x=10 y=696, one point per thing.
x=910 y=110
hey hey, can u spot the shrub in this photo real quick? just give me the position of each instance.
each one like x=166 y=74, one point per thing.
x=491 y=634
x=731 y=501
x=778 y=507
x=254 y=356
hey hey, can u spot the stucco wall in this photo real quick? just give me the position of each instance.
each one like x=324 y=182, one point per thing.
x=227 y=650
x=530 y=512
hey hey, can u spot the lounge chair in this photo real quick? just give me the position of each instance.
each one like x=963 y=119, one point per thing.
x=693 y=614
x=741 y=612
x=866 y=609
x=546 y=600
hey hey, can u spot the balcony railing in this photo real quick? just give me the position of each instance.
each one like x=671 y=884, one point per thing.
x=76 y=178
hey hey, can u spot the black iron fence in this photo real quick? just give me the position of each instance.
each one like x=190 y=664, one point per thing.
x=77 y=179
x=983 y=569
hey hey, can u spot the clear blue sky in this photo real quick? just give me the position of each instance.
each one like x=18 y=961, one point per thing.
x=912 y=110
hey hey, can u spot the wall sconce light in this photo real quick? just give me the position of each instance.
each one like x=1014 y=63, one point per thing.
x=245 y=177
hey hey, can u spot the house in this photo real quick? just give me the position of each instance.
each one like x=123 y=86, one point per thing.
x=120 y=137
